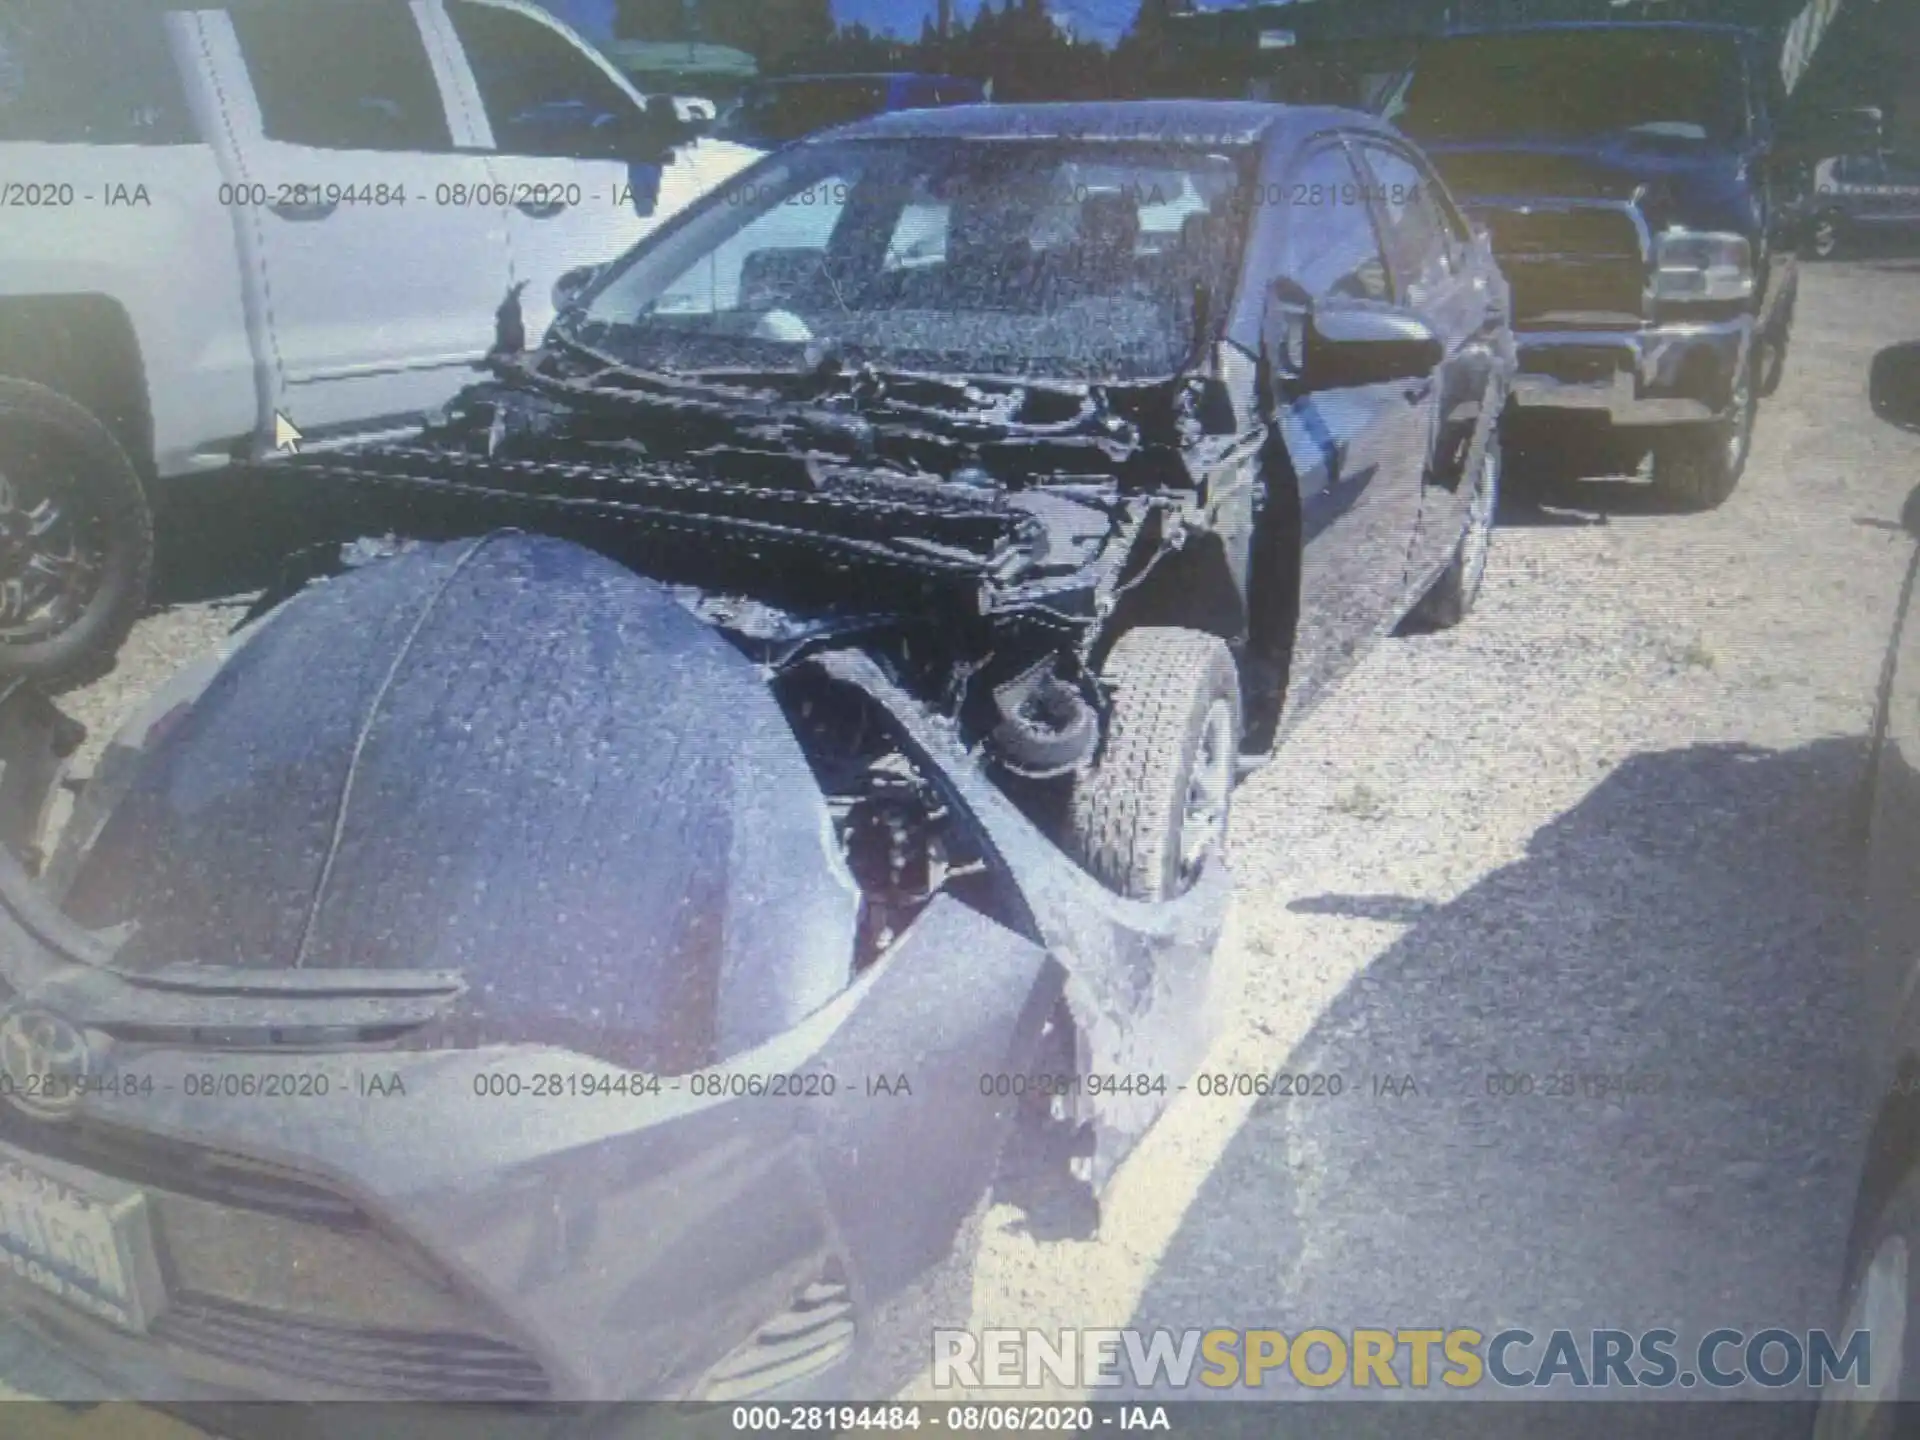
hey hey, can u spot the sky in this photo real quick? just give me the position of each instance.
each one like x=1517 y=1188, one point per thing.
x=1103 y=20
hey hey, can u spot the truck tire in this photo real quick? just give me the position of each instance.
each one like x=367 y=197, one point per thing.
x=1451 y=597
x=76 y=537
x=1696 y=467
x=1155 y=802
x=1773 y=364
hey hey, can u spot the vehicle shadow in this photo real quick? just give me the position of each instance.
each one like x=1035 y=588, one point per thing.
x=1559 y=498
x=1580 y=475
x=1691 y=923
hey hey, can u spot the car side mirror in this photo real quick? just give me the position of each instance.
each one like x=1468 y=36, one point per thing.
x=568 y=289
x=1893 y=385
x=663 y=129
x=1361 y=343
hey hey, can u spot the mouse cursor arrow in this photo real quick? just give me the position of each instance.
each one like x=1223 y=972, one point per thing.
x=286 y=436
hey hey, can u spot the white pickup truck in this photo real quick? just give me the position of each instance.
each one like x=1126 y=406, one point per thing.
x=225 y=224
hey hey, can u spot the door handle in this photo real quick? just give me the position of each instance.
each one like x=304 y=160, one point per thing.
x=541 y=209
x=312 y=210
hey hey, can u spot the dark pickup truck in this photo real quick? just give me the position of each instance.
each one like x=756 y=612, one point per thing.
x=1628 y=175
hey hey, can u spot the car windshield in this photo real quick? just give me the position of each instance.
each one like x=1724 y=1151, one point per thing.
x=1061 y=260
x=1672 y=85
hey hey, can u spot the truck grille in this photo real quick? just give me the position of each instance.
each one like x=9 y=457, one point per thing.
x=1579 y=266
x=441 y=1366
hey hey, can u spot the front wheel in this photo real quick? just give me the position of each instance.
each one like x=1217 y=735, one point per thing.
x=76 y=537
x=1154 y=805
x=1453 y=594
x=1697 y=467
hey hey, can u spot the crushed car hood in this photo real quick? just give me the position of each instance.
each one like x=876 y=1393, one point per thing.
x=532 y=767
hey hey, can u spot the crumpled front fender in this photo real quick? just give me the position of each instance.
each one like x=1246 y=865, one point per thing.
x=1137 y=972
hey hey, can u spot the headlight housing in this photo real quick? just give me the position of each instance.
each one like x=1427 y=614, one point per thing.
x=1702 y=265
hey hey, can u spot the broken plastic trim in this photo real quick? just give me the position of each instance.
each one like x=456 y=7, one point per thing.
x=1135 y=971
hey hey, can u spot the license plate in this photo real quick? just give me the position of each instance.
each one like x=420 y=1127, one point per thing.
x=92 y=1249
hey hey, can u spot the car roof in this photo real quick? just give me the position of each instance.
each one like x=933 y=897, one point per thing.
x=1231 y=122
x=1547 y=27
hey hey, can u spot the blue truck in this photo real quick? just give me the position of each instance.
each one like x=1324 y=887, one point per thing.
x=1639 y=199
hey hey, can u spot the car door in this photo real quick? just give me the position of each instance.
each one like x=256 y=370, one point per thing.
x=566 y=136
x=1352 y=448
x=555 y=127
x=1427 y=256
x=108 y=187
x=373 y=297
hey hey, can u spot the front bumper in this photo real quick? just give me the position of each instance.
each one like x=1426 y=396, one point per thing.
x=593 y=1247
x=1672 y=374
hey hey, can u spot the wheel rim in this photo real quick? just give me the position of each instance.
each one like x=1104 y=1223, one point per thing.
x=1203 y=817
x=50 y=565
x=1480 y=514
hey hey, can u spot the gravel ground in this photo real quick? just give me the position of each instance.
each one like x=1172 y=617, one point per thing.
x=1599 y=829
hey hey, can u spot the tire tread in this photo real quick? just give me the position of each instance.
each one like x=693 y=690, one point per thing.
x=1124 y=812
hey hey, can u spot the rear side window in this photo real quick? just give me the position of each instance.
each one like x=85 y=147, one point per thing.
x=543 y=96
x=347 y=75
x=88 y=72
x=1330 y=246
x=1416 y=235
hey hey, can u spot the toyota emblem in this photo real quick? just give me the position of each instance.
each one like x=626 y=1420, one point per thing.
x=45 y=1063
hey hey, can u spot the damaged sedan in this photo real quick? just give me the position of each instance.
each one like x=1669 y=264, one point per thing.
x=596 y=941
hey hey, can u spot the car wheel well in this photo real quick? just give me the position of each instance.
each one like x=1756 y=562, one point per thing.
x=83 y=347
x=1200 y=587
x=1191 y=588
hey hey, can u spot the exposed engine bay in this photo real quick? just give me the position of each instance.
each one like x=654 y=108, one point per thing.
x=974 y=535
